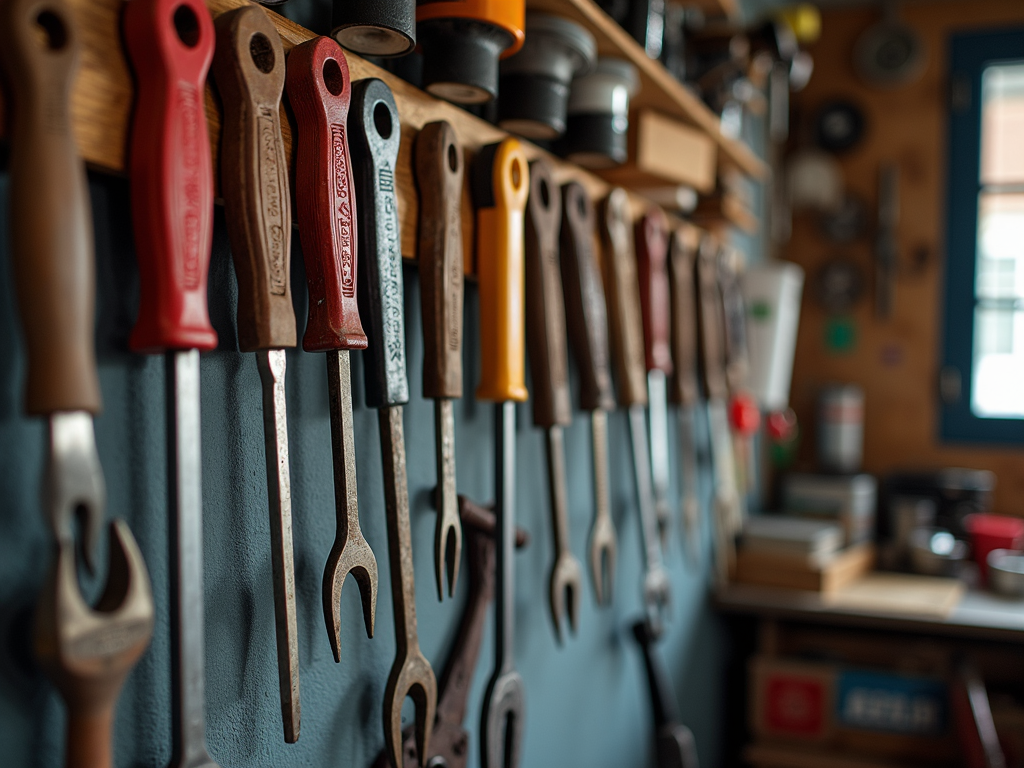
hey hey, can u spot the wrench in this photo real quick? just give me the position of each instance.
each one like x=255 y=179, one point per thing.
x=87 y=652
x=374 y=136
x=439 y=170
x=625 y=324
x=549 y=369
x=249 y=69
x=500 y=184
x=319 y=89
x=587 y=322
x=449 y=744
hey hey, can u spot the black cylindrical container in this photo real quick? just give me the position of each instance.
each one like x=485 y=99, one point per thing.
x=646 y=23
x=460 y=59
x=598 y=119
x=535 y=82
x=375 y=27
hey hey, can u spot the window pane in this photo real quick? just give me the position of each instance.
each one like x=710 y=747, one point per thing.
x=998 y=386
x=1002 y=124
x=1000 y=246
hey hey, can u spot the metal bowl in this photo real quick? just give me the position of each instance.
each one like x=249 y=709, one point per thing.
x=936 y=552
x=1006 y=572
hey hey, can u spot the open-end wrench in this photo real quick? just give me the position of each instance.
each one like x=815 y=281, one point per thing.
x=87 y=652
x=500 y=183
x=374 y=136
x=170 y=44
x=673 y=741
x=587 y=322
x=652 y=255
x=549 y=372
x=449 y=744
x=249 y=69
x=684 y=389
x=319 y=91
x=625 y=324
x=727 y=498
x=439 y=172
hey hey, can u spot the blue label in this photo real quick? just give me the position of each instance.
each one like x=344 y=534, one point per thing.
x=877 y=701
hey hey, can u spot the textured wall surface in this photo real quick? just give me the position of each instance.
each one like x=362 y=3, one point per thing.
x=587 y=702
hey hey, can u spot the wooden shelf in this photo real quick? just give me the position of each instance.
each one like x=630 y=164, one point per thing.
x=658 y=89
x=102 y=101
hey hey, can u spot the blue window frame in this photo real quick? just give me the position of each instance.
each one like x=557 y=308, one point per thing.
x=983 y=375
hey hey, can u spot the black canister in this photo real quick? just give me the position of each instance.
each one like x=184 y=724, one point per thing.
x=375 y=27
x=598 y=115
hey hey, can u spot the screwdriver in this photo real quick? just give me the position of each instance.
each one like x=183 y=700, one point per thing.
x=248 y=67
x=587 y=322
x=651 y=256
x=319 y=91
x=439 y=173
x=170 y=44
x=684 y=389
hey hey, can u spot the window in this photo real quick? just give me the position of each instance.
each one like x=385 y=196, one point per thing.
x=983 y=377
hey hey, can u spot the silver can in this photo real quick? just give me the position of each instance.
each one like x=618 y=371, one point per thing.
x=841 y=428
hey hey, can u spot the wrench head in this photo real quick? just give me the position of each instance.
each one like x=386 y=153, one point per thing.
x=410 y=676
x=657 y=599
x=501 y=723
x=447 y=545
x=603 y=549
x=564 y=586
x=351 y=554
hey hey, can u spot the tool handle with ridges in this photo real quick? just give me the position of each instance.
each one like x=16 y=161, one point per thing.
x=374 y=136
x=439 y=174
x=501 y=181
x=734 y=317
x=711 y=320
x=319 y=90
x=51 y=226
x=248 y=66
x=545 y=307
x=623 y=294
x=683 y=386
x=170 y=44
x=652 y=271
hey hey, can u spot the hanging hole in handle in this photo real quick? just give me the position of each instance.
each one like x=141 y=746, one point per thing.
x=186 y=24
x=262 y=53
x=382 y=120
x=545 y=194
x=333 y=79
x=517 y=174
x=453 y=158
x=51 y=31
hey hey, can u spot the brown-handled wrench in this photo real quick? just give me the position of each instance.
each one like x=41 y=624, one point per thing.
x=549 y=370
x=587 y=322
x=319 y=90
x=375 y=133
x=439 y=172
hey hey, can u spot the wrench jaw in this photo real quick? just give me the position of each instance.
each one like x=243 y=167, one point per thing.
x=603 y=551
x=501 y=728
x=565 y=586
x=657 y=600
x=350 y=554
x=413 y=678
x=447 y=539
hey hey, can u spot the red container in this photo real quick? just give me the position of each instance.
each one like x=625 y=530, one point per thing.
x=990 y=532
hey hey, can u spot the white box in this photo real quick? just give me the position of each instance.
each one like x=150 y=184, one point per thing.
x=847 y=499
x=772 y=295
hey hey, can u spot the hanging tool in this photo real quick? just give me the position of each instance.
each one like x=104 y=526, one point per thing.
x=673 y=742
x=500 y=183
x=886 y=247
x=684 y=390
x=625 y=324
x=319 y=90
x=728 y=511
x=374 y=136
x=549 y=370
x=439 y=171
x=375 y=27
x=248 y=66
x=587 y=322
x=652 y=258
x=87 y=652
x=170 y=44
x=449 y=744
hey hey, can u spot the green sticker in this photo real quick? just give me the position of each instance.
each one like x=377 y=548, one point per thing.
x=760 y=311
x=840 y=334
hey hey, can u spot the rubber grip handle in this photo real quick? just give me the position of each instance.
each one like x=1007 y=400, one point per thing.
x=683 y=386
x=374 y=136
x=585 y=312
x=439 y=174
x=170 y=44
x=248 y=67
x=734 y=315
x=652 y=270
x=501 y=181
x=545 y=307
x=711 y=320
x=51 y=226
x=319 y=90
x=623 y=293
